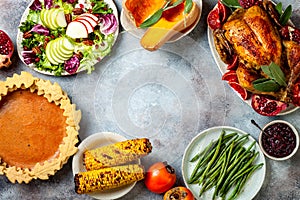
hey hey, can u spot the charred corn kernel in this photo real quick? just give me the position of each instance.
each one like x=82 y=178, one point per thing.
x=108 y=178
x=116 y=154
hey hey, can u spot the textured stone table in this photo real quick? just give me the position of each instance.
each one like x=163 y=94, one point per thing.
x=168 y=96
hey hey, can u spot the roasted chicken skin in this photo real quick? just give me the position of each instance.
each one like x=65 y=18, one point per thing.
x=293 y=58
x=253 y=37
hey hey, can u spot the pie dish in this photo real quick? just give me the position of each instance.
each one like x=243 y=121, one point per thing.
x=38 y=128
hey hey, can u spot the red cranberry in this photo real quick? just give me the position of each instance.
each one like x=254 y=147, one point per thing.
x=278 y=140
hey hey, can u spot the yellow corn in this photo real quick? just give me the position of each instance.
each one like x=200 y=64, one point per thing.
x=108 y=178
x=116 y=154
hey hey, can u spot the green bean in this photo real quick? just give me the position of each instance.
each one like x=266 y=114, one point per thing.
x=215 y=168
x=204 y=152
x=212 y=145
x=236 y=153
x=244 y=179
x=235 y=190
x=224 y=164
x=232 y=169
x=214 y=157
x=251 y=172
x=201 y=162
x=196 y=176
x=246 y=165
x=217 y=173
x=227 y=145
x=222 y=173
x=248 y=170
x=225 y=167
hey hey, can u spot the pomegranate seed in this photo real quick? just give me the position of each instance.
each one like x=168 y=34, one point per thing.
x=285 y=33
x=296 y=36
x=5 y=46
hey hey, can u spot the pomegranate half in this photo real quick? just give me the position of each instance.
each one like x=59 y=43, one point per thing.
x=6 y=49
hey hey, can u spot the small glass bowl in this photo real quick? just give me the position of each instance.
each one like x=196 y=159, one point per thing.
x=276 y=140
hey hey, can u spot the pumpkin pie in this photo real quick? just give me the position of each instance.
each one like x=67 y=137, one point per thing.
x=38 y=128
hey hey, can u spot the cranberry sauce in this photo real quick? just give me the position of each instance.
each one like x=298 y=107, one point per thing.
x=278 y=140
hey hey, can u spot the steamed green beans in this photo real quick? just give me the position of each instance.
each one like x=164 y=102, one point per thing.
x=225 y=164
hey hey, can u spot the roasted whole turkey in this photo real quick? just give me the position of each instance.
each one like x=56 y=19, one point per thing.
x=254 y=37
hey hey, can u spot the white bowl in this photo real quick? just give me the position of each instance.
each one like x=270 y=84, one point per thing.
x=296 y=136
x=94 y=141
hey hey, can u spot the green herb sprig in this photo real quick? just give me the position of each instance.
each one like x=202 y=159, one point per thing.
x=284 y=15
x=188 y=6
x=231 y=3
x=158 y=14
x=275 y=80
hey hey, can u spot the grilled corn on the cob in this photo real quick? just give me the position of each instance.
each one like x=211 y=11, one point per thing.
x=116 y=154
x=108 y=178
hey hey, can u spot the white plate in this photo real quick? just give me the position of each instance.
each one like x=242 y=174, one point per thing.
x=199 y=142
x=138 y=32
x=94 y=141
x=110 y=3
x=222 y=67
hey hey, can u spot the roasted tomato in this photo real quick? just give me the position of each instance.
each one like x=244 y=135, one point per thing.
x=160 y=177
x=179 y=193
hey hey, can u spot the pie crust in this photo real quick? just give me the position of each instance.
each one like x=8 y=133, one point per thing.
x=66 y=142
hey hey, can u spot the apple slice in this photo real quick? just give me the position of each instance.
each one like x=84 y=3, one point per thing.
x=65 y=46
x=76 y=29
x=89 y=19
x=87 y=24
x=95 y=18
x=43 y=17
x=58 y=56
x=53 y=53
x=49 y=54
x=52 y=18
x=60 y=18
x=49 y=19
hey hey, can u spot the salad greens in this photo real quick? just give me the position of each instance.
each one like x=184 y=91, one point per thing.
x=37 y=35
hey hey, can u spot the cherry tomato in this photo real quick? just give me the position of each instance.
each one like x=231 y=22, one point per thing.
x=160 y=177
x=179 y=193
